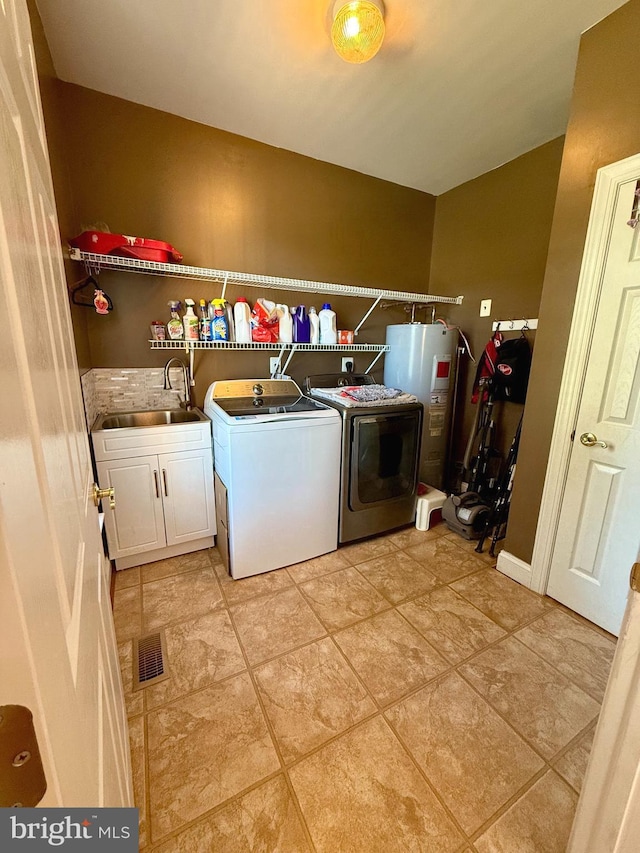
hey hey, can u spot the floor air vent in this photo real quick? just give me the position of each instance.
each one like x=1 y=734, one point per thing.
x=149 y=660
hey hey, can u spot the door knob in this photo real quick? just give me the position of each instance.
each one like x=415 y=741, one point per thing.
x=99 y=494
x=591 y=440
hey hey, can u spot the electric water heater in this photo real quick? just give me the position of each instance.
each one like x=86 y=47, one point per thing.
x=421 y=360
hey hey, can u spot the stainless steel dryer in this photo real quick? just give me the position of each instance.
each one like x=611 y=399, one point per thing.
x=380 y=458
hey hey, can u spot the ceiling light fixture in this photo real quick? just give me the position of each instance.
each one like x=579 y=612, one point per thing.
x=358 y=29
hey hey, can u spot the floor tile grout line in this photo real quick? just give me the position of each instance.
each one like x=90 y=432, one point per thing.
x=323 y=620
x=504 y=808
x=299 y=812
x=212 y=812
x=408 y=598
x=272 y=734
x=179 y=621
x=546 y=762
x=504 y=719
x=566 y=749
x=147 y=783
x=257 y=692
x=354 y=671
x=504 y=627
x=591 y=693
x=384 y=706
x=431 y=785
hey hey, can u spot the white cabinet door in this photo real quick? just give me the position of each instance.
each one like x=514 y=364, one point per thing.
x=187 y=494
x=137 y=523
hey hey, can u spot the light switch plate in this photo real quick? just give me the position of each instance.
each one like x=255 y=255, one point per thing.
x=274 y=365
x=485 y=308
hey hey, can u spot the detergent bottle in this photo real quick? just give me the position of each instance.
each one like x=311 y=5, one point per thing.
x=242 y=321
x=285 y=325
x=314 y=323
x=301 y=326
x=231 y=326
x=328 y=327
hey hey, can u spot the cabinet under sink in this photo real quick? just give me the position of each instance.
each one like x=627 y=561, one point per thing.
x=162 y=476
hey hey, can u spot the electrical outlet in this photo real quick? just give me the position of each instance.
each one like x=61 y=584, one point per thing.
x=274 y=365
x=485 y=308
x=348 y=365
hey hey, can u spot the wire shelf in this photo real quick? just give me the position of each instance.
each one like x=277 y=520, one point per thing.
x=234 y=345
x=114 y=262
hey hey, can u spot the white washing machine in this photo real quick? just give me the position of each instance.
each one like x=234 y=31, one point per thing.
x=276 y=472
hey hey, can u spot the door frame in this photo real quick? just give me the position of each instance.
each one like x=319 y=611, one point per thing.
x=605 y=197
x=607 y=819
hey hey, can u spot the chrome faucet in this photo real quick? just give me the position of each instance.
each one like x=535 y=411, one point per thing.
x=185 y=377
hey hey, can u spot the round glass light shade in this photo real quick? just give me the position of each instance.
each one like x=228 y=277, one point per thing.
x=358 y=30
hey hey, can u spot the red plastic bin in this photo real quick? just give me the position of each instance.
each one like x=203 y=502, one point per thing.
x=142 y=248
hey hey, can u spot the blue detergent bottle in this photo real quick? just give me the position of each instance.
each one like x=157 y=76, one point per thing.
x=301 y=326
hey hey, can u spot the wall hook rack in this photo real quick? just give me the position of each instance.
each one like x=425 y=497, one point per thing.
x=514 y=325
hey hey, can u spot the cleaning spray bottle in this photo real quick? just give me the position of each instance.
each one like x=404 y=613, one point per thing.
x=190 y=322
x=219 y=325
x=205 y=322
x=175 y=328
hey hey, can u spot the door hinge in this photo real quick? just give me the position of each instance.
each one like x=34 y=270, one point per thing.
x=22 y=780
x=634 y=579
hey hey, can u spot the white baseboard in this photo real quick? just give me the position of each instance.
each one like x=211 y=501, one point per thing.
x=514 y=568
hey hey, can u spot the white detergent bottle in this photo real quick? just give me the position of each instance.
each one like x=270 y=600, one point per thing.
x=328 y=327
x=190 y=322
x=285 y=325
x=242 y=321
x=314 y=322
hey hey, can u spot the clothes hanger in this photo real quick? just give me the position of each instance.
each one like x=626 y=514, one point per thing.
x=101 y=301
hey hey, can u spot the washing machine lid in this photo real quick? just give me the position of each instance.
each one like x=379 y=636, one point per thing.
x=262 y=399
x=251 y=406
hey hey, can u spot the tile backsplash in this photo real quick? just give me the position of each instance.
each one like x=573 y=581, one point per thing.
x=128 y=389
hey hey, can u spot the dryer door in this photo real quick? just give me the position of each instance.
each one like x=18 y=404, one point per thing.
x=384 y=458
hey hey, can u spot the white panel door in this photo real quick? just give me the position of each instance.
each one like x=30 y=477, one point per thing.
x=187 y=488
x=137 y=522
x=598 y=537
x=58 y=654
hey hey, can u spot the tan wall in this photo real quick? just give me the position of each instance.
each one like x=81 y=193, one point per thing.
x=604 y=127
x=490 y=242
x=231 y=203
x=55 y=128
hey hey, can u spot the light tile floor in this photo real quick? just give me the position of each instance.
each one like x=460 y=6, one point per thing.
x=396 y=695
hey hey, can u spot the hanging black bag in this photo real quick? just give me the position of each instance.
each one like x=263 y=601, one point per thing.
x=513 y=366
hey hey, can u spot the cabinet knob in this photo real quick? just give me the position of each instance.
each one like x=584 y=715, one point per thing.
x=258 y=389
x=99 y=494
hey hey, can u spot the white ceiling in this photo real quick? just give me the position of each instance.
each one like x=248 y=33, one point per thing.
x=458 y=88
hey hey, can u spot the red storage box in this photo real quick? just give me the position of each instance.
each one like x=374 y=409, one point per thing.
x=142 y=248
